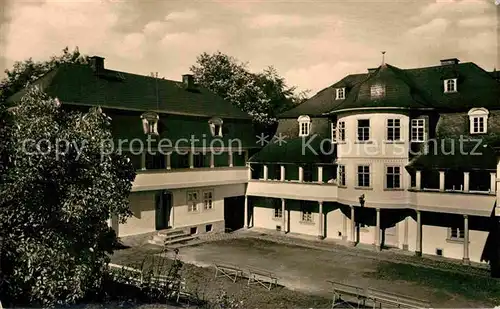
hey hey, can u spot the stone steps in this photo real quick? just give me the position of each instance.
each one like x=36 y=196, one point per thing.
x=170 y=237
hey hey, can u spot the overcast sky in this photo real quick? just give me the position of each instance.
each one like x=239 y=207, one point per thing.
x=311 y=43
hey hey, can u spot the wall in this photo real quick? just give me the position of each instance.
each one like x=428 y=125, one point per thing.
x=142 y=205
x=182 y=218
x=335 y=221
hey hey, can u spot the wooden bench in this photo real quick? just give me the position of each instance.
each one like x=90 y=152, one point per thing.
x=381 y=298
x=176 y=285
x=340 y=290
x=230 y=271
x=262 y=277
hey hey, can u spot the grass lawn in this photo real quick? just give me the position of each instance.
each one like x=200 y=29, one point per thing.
x=469 y=286
x=202 y=283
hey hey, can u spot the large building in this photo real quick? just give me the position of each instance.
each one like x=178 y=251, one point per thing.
x=189 y=147
x=394 y=158
x=401 y=158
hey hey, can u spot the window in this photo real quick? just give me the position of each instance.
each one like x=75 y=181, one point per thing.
x=364 y=176
x=340 y=94
x=306 y=213
x=393 y=129
x=342 y=180
x=334 y=132
x=377 y=91
x=341 y=131
x=278 y=212
x=450 y=85
x=215 y=124
x=418 y=130
x=150 y=123
x=304 y=125
x=393 y=177
x=192 y=201
x=478 y=120
x=363 y=129
x=456 y=233
x=208 y=199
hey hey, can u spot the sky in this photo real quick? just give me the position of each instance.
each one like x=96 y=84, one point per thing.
x=312 y=44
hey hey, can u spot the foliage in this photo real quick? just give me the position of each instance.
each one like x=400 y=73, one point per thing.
x=27 y=71
x=156 y=280
x=262 y=95
x=56 y=195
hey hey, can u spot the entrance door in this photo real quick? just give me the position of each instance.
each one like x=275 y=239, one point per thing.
x=234 y=212
x=163 y=209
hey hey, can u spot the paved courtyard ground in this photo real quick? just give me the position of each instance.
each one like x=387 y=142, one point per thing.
x=303 y=272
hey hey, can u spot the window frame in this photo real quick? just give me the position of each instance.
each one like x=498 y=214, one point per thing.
x=277 y=212
x=393 y=174
x=455 y=233
x=192 y=203
x=342 y=176
x=333 y=127
x=415 y=127
x=365 y=129
x=150 y=123
x=306 y=214
x=480 y=114
x=340 y=93
x=215 y=124
x=365 y=174
x=377 y=91
x=450 y=81
x=341 y=133
x=210 y=204
x=304 y=125
x=395 y=129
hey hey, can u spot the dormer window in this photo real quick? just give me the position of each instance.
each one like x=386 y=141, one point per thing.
x=450 y=85
x=478 y=120
x=304 y=125
x=215 y=126
x=377 y=91
x=150 y=123
x=340 y=94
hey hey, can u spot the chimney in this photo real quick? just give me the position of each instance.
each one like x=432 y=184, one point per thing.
x=449 y=61
x=188 y=81
x=96 y=63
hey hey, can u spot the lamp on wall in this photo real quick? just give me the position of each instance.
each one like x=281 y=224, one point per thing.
x=362 y=200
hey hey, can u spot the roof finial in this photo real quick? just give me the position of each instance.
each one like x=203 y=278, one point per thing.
x=383 y=58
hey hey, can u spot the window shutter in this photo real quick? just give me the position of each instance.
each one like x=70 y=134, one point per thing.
x=426 y=128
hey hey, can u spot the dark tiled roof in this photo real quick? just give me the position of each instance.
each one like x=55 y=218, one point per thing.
x=420 y=88
x=324 y=100
x=77 y=84
x=127 y=125
x=399 y=91
x=456 y=155
x=295 y=151
x=476 y=87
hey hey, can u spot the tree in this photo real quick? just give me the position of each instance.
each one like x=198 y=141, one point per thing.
x=262 y=95
x=27 y=71
x=56 y=195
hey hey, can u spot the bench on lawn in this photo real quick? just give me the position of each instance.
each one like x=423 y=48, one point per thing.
x=340 y=290
x=227 y=270
x=176 y=285
x=135 y=274
x=262 y=277
x=381 y=298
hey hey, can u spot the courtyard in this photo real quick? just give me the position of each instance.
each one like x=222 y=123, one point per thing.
x=303 y=273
